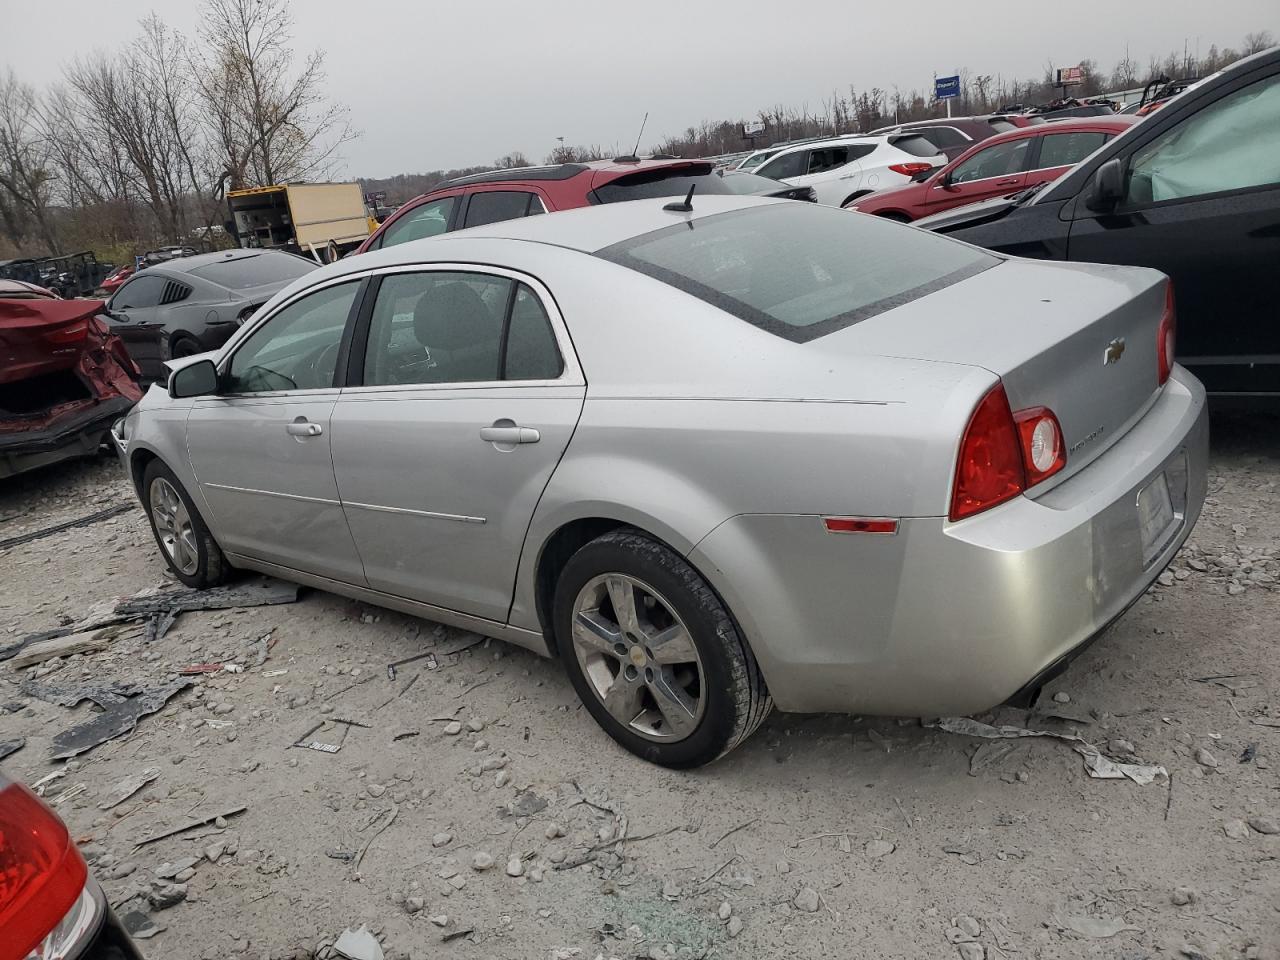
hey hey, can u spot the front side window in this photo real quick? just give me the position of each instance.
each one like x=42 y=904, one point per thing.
x=453 y=327
x=799 y=270
x=297 y=349
x=787 y=165
x=138 y=292
x=1068 y=149
x=494 y=206
x=999 y=161
x=425 y=220
x=1229 y=145
x=828 y=158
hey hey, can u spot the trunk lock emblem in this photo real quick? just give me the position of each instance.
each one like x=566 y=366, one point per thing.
x=1114 y=351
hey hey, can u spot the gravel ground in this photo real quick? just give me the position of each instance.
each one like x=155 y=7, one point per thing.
x=481 y=798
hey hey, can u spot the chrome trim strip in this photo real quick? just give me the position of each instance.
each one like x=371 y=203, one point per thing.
x=460 y=518
x=529 y=639
x=272 y=493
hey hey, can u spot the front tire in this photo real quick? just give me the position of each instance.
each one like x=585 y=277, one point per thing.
x=653 y=654
x=185 y=542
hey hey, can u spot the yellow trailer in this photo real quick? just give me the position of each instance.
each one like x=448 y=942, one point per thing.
x=321 y=220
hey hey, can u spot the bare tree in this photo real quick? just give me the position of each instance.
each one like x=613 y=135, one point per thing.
x=512 y=160
x=26 y=165
x=271 y=123
x=1256 y=42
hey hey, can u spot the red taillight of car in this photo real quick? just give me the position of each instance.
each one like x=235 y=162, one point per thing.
x=989 y=469
x=42 y=875
x=1003 y=453
x=1167 y=335
x=1043 y=452
x=910 y=169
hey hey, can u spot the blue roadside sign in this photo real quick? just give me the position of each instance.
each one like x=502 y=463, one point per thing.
x=945 y=88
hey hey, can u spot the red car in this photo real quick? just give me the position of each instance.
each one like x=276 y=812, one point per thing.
x=526 y=191
x=998 y=166
x=49 y=905
x=112 y=283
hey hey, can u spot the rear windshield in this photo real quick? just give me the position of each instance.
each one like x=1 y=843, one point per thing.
x=661 y=182
x=915 y=145
x=799 y=270
x=241 y=272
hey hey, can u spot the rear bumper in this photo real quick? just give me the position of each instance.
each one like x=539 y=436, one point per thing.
x=953 y=618
x=77 y=435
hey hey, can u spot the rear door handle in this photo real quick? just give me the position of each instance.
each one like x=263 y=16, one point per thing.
x=509 y=433
x=303 y=428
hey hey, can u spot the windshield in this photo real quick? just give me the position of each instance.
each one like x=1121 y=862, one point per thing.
x=661 y=182
x=798 y=270
x=238 y=273
x=756 y=159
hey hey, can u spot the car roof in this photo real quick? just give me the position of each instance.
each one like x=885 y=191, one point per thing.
x=619 y=166
x=188 y=264
x=1116 y=124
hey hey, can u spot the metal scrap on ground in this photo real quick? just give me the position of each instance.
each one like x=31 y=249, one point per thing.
x=106 y=514
x=113 y=722
x=127 y=787
x=1098 y=766
x=191 y=825
x=11 y=746
x=88 y=642
x=105 y=695
x=358 y=945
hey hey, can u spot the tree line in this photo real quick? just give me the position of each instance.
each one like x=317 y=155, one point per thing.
x=139 y=147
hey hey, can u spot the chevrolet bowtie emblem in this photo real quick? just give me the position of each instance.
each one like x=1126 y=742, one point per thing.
x=1114 y=351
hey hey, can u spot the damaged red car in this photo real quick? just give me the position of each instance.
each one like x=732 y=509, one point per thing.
x=64 y=378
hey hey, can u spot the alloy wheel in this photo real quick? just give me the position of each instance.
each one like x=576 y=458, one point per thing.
x=638 y=657
x=173 y=524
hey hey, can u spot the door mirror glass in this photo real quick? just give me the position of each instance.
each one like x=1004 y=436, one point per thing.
x=199 y=379
x=1108 y=185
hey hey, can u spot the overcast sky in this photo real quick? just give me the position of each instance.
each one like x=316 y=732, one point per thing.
x=434 y=86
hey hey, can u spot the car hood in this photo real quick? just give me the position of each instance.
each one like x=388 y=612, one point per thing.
x=970 y=215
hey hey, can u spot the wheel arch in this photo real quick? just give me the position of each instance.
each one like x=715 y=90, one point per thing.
x=854 y=196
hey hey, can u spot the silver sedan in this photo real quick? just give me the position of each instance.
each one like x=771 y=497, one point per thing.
x=714 y=459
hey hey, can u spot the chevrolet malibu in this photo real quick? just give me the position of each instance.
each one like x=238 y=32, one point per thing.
x=713 y=456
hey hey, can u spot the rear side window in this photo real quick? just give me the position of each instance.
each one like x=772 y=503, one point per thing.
x=799 y=271
x=494 y=206
x=138 y=292
x=942 y=136
x=660 y=182
x=239 y=273
x=1067 y=149
x=531 y=352
x=788 y=165
x=426 y=220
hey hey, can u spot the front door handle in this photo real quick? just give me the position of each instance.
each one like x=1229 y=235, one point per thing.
x=302 y=427
x=1007 y=183
x=504 y=431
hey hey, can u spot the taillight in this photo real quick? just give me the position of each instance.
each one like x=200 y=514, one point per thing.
x=1167 y=335
x=910 y=169
x=42 y=875
x=1002 y=453
x=1043 y=452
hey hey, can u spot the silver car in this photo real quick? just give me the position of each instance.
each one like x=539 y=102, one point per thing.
x=714 y=459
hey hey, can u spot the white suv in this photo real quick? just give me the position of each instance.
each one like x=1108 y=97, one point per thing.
x=842 y=169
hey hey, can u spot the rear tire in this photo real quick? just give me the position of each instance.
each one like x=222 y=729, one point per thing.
x=683 y=685
x=184 y=541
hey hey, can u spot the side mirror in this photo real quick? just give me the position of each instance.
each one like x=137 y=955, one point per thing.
x=946 y=181
x=200 y=379
x=1108 y=186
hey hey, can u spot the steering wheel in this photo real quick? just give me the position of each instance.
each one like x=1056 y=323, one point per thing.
x=323 y=363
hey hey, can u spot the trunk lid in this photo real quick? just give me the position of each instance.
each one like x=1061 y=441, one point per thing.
x=1080 y=339
x=42 y=336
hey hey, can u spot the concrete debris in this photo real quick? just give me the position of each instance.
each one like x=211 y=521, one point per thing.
x=114 y=722
x=442 y=839
x=126 y=788
x=879 y=848
x=725 y=911
x=1062 y=697
x=164 y=894
x=167 y=871
x=139 y=925
x=453 y=728
x=807 y=900
x=1182 y=896
x=735 y=927
x=1206 y=759
x=8 y=747
x=1235 y=829
x=1265 y=825
x=482 y=861
x=965 y=929
x=358 y=944
x=475 y=724
x=971 y=951
x=1097 y=766
x=414 y=904
x=1095 y=928
x=257 y=592
x=90 y=641
x=515 y=867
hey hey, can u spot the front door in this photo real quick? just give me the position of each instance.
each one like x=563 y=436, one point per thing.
x=991 y=172
x=260 y=448
x=468 y=394
x=1202 y=204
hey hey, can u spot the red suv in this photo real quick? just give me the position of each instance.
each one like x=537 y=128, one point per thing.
x=526 y=191
x=998 y=166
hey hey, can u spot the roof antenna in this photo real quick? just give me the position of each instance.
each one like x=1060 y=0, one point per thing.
x=636 y=152
x=685 y=205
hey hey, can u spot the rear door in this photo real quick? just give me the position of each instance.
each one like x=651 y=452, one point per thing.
x=1202 y=204
x=1056 y=153
x=465 y=392
x=992 y=171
